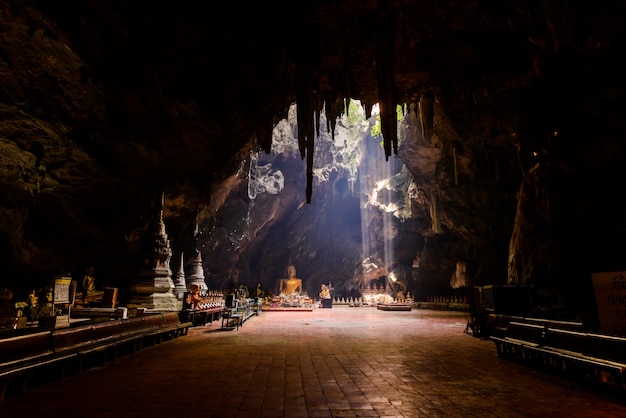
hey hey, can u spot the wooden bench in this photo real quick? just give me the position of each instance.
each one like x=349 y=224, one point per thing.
x=56 y=352
x=93 y=344
x=173 y=326
x=593 y=357
x=131 y=339
x=550 y=323
x=519 y=341
x=118 y=313
x=154 y=333
x=69 y=341
x=596 y=358
x=393 y=307
x=22 y=356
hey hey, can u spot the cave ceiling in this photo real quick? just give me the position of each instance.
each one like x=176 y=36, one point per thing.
x=106 y=104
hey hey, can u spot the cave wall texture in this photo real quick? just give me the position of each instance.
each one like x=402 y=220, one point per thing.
x=517 y=153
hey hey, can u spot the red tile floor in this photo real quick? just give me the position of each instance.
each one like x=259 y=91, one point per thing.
x=339 y=362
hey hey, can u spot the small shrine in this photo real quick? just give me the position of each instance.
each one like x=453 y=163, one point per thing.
x=154 y=288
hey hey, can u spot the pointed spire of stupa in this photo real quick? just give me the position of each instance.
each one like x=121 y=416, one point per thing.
x=196 y=274
x=196 y=271
x=180 y=286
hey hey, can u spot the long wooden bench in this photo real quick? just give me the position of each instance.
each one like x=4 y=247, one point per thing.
x=70 y=341
x=56 y=353
x=594 y=357
x=173 y=326
x=119 y=313
x=578 y=355
x=22 y=356
x=519 y=341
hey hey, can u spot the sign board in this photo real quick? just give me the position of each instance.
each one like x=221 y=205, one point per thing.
x=610 y=291
x=62 y=289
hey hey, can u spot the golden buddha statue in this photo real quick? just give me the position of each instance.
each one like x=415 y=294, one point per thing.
x=291 y=285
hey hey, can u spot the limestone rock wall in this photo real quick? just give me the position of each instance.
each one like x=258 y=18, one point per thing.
x=104 y=105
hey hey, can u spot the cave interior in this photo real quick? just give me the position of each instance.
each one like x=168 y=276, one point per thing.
x=438 y=145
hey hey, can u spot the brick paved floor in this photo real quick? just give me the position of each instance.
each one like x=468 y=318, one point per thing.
x=339 y=362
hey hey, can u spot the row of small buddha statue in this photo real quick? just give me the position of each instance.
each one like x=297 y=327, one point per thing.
x=441 y=299
x=374 y=288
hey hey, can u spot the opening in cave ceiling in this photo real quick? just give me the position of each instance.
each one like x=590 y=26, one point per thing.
x=354 y=184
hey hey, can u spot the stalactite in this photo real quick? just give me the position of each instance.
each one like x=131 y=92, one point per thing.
x=367 y=107
x=496 y=166
x=318 y=105
x=456 y=171
x=385 y=75
x=252 y=176
x=306 y=110
x=309 y=169
x=334 y=109
x=427 y=112
x=329 y=98
x=434 y=215
x=317 y=115
x=331 y=127
x=336 y=99
x=305 y=100
x=264 y=132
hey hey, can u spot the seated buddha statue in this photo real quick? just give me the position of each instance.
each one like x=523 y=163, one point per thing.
x=291 y=285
